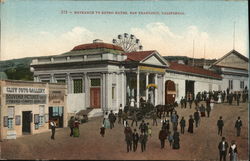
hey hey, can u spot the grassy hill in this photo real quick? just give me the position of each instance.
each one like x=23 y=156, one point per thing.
x=17 y=69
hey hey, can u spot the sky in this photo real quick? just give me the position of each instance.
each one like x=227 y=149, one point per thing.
x=202 y=28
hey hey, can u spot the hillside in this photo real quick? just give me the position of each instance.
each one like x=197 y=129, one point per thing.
x=17 y=69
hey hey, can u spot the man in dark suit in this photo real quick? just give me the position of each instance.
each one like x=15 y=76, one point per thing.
x=182 y=124
x=220 y=125
x=238 y=125
x=162 y=137
x=135 y=140
x=112 y=119
x=143 y=140
x=128 y=137
x=53 y=128
x=196 y=118
x=223 y=145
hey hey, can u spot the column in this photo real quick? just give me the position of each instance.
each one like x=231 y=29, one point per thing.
x=146 y=86
x=163 y=89
x=52 y=78
x=116 y=92
x=86 y=87
x=107 y=91
x=125 y=90
x=68 y=80
x=138 y=89
x=36 y=79
x=156 y=90
x=122 y=77
x=103 y=92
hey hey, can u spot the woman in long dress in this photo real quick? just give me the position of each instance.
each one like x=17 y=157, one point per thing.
x=191 y=124
x=233 y=152
x=212 y=104
x=219 y=98
x=106 y=121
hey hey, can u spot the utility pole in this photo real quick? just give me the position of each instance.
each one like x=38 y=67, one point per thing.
x=204 y=55
x=234 y=37
x=193 y=52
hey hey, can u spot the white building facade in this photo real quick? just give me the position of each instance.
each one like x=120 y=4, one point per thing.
x=233 y=67
x=103 y=77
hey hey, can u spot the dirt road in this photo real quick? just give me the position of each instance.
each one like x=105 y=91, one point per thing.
x=201 y=145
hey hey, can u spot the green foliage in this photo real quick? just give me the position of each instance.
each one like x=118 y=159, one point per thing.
x=17 y=69
x=19 y=73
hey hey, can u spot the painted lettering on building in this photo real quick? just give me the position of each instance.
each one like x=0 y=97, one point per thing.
x=151 y=69
x=23 y=90
x=25 y=99
x=56 y=96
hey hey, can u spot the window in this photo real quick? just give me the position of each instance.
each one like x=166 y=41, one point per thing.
x=10 y=123
x=113 y=92
x=77 y=85
x=41 y=115
x=230 y=84
x=95 y=82
x=57 y=111
x=10 y=117
x=45 y=80
x=61 y=81
x=241 y=84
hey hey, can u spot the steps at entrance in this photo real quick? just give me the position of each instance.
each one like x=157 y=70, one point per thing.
x=95 y=113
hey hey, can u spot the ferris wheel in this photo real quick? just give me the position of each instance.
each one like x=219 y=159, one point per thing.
x=128 y=42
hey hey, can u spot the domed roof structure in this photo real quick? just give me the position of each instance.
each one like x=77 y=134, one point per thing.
x=97 y=44
x=3 y=76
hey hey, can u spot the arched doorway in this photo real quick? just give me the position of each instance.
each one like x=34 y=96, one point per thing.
x=170 y=92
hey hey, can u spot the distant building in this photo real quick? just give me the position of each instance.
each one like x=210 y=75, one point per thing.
x=198 y=62
x=233 y=67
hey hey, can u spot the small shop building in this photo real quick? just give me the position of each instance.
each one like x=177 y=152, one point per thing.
x=27 y=107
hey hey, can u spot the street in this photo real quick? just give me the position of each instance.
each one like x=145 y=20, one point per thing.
x=201 y=145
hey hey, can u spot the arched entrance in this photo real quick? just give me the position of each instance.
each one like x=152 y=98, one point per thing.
x=170 y=92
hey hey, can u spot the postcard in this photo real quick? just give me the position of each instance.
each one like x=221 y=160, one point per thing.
x=124 y=80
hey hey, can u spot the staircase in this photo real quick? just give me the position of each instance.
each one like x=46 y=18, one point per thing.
x=95 y=112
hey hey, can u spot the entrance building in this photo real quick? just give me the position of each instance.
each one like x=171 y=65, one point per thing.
x=103 y=77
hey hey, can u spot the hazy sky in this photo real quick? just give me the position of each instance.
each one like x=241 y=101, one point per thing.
x=38 y=27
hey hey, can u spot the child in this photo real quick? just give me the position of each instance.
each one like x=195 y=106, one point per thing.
x=170 y=138
x=149 y=130
x=102 y=132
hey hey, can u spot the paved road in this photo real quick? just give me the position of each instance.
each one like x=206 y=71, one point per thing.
x=202 y=145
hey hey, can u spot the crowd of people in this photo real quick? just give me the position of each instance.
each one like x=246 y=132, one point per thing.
x=143 y=131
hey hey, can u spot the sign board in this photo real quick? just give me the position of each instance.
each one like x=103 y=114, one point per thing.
x=10 y=112
x=151 y=69
x=36 y=118
x=56 y=96
x=24 y=90
x=25 y=99
x=5 y=121
x=46 y=118
x=18 y=119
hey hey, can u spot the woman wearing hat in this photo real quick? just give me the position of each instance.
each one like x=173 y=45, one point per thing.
x=233 y=152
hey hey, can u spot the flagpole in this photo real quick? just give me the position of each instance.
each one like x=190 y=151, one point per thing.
x=193 y=52
x=204 y=55
x=234 y=37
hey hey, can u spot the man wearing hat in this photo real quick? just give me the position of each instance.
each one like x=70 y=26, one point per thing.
x=223 y=145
